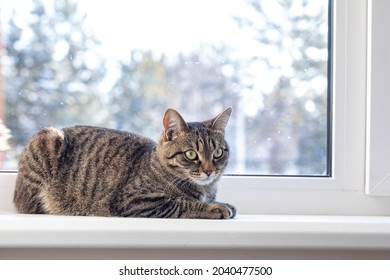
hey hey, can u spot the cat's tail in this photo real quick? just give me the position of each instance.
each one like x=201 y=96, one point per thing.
x=38 y=162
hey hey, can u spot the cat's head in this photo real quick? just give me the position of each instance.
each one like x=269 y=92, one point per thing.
x=196 y=150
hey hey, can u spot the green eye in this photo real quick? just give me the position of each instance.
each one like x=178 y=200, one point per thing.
x=218 y=153
x=191 y=155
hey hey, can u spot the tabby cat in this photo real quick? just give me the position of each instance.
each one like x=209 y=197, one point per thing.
x=86 y=170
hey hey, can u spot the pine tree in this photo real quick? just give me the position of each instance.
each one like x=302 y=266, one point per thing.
x=139 y=96
x=54 y=71
x=290 y=130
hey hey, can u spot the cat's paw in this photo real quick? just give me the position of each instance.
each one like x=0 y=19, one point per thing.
x=221 y=211
x=233 y=210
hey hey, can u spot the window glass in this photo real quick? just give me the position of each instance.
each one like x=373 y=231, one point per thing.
x=121 y=63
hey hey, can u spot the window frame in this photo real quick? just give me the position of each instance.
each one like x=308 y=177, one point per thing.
x=378 y=87
x=343 y=193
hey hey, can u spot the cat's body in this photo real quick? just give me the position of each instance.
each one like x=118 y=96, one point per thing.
x=86 y=170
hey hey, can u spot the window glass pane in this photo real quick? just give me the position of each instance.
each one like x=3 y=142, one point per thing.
x=120 y=64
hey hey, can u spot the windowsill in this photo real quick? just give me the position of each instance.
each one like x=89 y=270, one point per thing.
x=243 y=232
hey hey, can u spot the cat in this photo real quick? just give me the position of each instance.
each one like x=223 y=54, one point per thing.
x=95 y=171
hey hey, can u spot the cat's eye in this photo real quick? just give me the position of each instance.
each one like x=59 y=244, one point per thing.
x=218 y=153
x=191 y=155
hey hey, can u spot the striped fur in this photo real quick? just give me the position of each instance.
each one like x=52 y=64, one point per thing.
x=85 y=170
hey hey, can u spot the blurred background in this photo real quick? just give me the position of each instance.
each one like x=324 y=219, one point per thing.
x=121 y=64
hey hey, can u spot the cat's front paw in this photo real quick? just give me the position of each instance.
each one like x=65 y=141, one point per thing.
x=233 y=210
x=221 y=211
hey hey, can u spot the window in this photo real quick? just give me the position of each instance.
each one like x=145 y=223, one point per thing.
x=339 y=192
x=63 y=65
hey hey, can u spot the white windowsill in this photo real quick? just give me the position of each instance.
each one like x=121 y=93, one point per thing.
x=244 y=232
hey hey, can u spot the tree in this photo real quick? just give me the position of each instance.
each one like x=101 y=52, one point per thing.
x=292 y=40
x=54 y=71
x=139 y=96
x=204 y=79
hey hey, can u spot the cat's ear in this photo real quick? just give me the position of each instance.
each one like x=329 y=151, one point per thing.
x=174 y=124
x=220 y=121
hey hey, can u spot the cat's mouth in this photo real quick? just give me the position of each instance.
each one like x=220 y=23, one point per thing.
x=204 y=179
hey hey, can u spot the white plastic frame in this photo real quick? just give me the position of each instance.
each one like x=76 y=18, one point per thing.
x=378 y=98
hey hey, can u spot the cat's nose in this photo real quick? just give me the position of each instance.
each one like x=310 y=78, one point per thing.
x=208 y=168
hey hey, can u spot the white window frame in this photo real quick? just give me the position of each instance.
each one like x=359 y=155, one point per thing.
x=344 y=192
x=378 y=99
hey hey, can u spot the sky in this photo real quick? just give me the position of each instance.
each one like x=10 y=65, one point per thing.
x=168 y=26
x=153 y=22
